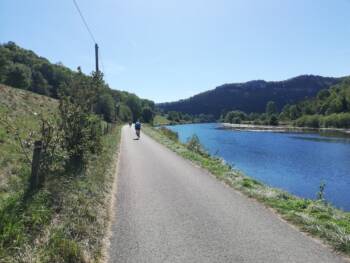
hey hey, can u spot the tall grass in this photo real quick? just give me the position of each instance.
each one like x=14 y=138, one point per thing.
x=64 y=221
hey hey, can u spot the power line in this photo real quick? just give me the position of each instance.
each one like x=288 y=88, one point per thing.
x=84 y=21
x=89 y=30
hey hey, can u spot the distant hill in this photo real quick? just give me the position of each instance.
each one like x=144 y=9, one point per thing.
x=252 y=96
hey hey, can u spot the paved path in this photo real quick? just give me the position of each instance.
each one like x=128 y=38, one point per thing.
x=167 y=210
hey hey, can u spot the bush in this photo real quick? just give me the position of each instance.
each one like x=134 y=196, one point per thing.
x=169 y=133
x=236 y=120
x=82 y=132
x=235 y=117
x=336 y=120
x=194 y=145
x=106 y=107
x=312 y=121
x=273 y=120
x=19 y=76
x=257 y=122
x=344 y=120
x=174 y=116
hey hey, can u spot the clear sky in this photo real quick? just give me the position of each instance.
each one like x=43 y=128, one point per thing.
x=166 y=50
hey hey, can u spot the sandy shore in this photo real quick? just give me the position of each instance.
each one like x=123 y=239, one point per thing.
x=280 y=128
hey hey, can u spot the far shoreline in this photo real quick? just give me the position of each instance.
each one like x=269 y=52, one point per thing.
x=280 y=128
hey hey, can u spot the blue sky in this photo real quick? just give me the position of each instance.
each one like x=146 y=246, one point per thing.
x=166 y=50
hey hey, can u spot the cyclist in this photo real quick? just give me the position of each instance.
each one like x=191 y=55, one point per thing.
x=138 y=129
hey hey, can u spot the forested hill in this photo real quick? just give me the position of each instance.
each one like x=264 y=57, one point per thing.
x=251 y=96
x=23 y=69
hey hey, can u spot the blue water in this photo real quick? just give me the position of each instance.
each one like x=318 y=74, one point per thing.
x=295 y=162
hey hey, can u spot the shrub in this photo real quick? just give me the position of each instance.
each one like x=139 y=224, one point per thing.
x=308 y=121
x=337 y=120
x=19 y=76
x=169 y=133
x=273 y=120
x=82 y=132
x=236 y=120
x=106 y=107
x=194 y=145
x=235 y=117
x=344 y=120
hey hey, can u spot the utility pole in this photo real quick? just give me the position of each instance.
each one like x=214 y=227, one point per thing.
x=96 y=57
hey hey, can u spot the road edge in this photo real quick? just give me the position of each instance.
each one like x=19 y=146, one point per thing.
x=106 y=242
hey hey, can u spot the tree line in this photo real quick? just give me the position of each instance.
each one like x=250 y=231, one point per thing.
x=329 y=109
x=23 y=69
x=251 y=96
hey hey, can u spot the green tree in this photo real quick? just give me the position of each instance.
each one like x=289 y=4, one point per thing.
x=187 y=117
x=125 y=113
x=19 y=76
x=273 y=120
x=134 y=103
x=173 y=116
x=323 y=94
x=271 y=108
x=294 y=112
x=4 y=63
x=39 y=84
x=106 y=107
x=148 y=103
x=235 y=117
x=335 y=106
x=80 y=126
x=147 y=115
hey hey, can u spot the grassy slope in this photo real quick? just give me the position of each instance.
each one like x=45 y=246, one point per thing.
x=66 y=220
x=314 y=217
x=22 y=109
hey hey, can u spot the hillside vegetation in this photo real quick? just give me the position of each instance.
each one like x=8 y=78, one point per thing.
x=251 y=96
x=330 y=109
x=23 y=109
x=23 y=69
x=65 y=218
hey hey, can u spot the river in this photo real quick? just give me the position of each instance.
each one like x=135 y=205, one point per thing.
x=295 y=162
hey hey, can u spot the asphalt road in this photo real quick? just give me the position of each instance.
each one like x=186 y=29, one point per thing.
x=168 y=210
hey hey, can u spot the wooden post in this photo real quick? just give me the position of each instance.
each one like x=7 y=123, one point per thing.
x=96 y=58
x=34 y=179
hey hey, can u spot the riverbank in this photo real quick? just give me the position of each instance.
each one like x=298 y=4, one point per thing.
x=314 y=217
x=280 y=128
